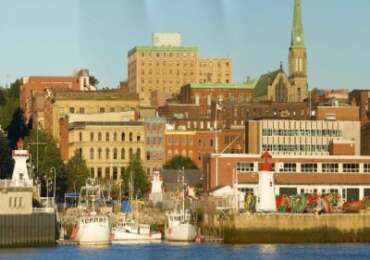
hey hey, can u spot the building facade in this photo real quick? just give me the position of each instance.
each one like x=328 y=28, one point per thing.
x=300 y=137
x=361 y=98
x=60 y=104
x=217 y=70
x=348 y=176
x=154 y=142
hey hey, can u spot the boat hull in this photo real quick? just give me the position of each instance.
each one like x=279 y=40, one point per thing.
x=119 y=235
x=184 y=232
x=94 y=234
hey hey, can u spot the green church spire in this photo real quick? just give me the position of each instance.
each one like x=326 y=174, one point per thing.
x=297 y=31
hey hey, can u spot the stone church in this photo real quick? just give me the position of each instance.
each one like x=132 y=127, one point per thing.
x=278 y=86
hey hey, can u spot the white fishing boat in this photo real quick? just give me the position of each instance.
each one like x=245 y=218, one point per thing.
x=179 y=227
x=130 y=231
x=93 y=228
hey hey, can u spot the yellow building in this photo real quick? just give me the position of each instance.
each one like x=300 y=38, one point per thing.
x=60 y=104
x=107 y=146
x=166 y=66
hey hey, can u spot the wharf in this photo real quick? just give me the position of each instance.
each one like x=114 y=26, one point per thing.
x=67 y=242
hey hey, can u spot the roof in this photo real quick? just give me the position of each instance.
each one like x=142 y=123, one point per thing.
x=192 y=177
x=81 y=125
x=162 y=48
x=311 y=178
x=297 y=30
x=264 y=81
x=248 y=85
x=95 y=95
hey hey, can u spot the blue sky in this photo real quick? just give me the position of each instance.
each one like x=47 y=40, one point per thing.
x=43 y=37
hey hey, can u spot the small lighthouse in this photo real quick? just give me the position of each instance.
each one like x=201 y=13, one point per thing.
x=266 y=186
x=20 y=175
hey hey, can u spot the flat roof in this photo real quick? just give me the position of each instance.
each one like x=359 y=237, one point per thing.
x=250 y=85
x=162 y=48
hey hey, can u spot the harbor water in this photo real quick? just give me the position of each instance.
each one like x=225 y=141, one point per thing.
x=194 y=251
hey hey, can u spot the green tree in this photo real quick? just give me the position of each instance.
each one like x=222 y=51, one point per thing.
x=6 y=162
x=17 y=128
x=178 y=162
x=13 y=91
x=136 y=175
x=44 y=153
x=93 y=80
x=77 y=172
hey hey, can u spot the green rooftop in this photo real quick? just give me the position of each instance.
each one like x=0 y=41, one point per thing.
x=162 y=48
x=247 y=85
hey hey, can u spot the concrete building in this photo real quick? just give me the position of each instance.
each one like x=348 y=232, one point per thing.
x=340 y=113
x=348 y=176
x=217 y=70
x=301 y=137
x=154 y=142
x=32 y=91
x=166 y=66
x=60 y=104
x=106 y=145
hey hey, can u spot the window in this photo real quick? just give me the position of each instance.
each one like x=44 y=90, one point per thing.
x=115 y=154
x=99 y=153
x=123 y=137
x=245 y=167
x=102 y=110
x=330 y=167
x=123 y=154
x=138 y=138
x=99 y=136
x=130 y=152
x=308 y=167
x=107 y=153
x=107 y=172
x=91 y=153
x=80 y=136
x=91 y=137
x=138 y=153
x=367 y=168
x=130 y=137
x=71 y=110
x=351 y=167
x=115 y=173
x=82 y=110
x=107 y=136
x=100 y=170
x=289 y=167
x=92 y=172
x=115 y=136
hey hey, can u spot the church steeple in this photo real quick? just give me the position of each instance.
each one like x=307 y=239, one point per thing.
x=298 y=57
x=297 y=30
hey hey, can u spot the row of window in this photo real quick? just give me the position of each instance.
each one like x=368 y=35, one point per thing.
x=82 y=110
x=167 y=54
x=115 y=172
x=154 y=140
x=16 y=202
x=296 y=147
x=302 y=132
x=110 y=136
x=113 y=153
x=308 y=167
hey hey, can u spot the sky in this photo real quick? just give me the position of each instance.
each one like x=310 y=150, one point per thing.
x=44 y=37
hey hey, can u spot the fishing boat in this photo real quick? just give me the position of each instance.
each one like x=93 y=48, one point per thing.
x=179 y=227
x=93 y=227
x=130 y=229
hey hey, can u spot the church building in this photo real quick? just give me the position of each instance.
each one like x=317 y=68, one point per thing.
x=278 y=86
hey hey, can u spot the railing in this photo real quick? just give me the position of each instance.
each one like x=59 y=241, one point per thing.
x=17 y=183
x=43 y=210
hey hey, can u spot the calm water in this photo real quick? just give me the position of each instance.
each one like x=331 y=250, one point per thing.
x=194 y=251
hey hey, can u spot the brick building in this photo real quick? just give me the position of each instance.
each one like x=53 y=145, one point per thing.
x=33 y=88
x=348 y=176
x=199 y=144
x=361 y=98
x=365 y=139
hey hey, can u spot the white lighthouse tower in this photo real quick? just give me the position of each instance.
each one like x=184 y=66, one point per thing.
x=20 y=175
x=266 y=201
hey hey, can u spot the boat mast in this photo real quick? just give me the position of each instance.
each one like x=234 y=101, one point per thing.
x=183 y=193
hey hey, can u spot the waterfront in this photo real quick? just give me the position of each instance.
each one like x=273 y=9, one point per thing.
x=194 y=251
